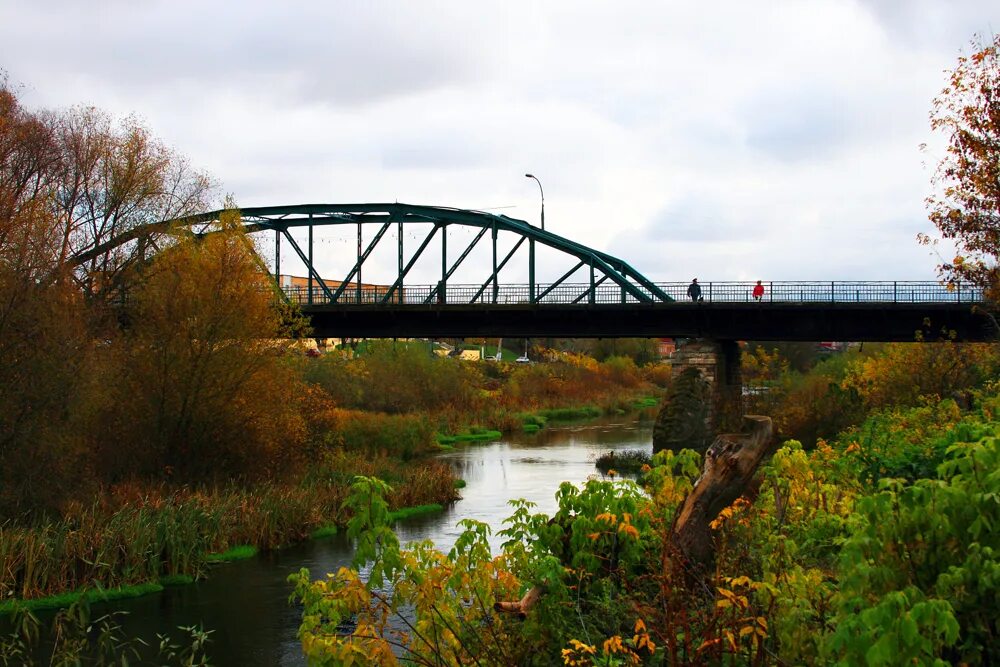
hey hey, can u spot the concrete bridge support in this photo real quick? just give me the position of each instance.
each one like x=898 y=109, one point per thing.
x=706 y=397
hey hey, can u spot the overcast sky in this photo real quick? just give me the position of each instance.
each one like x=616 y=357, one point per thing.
x=773 y=140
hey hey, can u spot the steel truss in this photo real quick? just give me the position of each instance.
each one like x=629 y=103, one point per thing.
x=631 y=285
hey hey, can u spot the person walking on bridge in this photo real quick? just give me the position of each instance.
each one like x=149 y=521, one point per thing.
x=758 y=291
x=694 y=290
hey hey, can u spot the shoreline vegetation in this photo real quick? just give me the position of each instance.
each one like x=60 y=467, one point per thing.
x=138 y=537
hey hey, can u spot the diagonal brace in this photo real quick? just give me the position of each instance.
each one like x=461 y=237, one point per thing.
x=590 y=289
x=409 y=265
x=499 y=268
x=481 y=234
x=361 y=260
x=305 y=260
x=559 y=282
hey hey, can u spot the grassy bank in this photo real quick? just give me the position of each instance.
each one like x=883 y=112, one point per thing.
x=145 y=537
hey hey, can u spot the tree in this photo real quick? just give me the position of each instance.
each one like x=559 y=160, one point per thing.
x=967 y=207
x=208 y=393
x=44 y=347
x=115 y=179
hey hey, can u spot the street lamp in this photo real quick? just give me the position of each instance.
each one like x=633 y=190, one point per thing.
x=543 y=196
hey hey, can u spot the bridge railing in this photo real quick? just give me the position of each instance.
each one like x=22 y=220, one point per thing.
x=711 y=292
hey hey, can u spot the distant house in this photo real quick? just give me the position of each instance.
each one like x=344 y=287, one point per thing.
x=667 y=347
x=297 y=289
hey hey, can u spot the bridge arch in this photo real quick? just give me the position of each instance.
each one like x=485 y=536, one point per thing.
x=599 y=267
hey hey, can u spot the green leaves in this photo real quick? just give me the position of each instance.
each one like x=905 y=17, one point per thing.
x=923 y=563
x=375 y=542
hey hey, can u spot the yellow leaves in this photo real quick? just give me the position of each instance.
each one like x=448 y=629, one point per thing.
x=579 y=655
x=614 y=650
x=607 y=517
x=594 y=536
x=738 y=505
x=641 y=638
x=629 y=530
x=731 y=599
x=613 y=645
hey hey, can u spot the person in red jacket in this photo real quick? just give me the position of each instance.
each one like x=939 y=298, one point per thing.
x=758 y=291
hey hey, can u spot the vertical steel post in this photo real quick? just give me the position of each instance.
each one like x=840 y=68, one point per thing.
x=311 y=265
x=277 y=257
x=894 y=291
x=399 y=234
x=531 y=270
x=593 y=287
x=496 y=287
x=443 y=286
x=358 y=277
x=831 y=292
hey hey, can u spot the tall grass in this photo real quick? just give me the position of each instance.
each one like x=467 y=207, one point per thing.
x=135 y=535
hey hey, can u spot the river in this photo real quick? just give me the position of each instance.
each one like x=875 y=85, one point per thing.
x=245 y=604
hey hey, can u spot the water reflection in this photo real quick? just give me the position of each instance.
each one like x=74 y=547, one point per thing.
x=245 y=604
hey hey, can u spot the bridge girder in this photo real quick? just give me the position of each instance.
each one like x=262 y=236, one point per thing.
x=281 y=219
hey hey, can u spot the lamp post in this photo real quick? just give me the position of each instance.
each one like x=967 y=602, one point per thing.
x=543 y=196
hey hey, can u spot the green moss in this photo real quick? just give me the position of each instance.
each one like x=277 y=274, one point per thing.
x=241 y=552
x=407 y=512
x=91 y=594
x=176 y=580
x=459 y=483
x=645 y=402
x=530 y=419
x=324 y=531
x=474 y=435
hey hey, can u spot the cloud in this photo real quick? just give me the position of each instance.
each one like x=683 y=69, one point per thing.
x=740 y=139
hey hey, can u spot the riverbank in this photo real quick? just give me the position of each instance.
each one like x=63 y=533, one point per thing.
x=135 y=540
x=245 y=603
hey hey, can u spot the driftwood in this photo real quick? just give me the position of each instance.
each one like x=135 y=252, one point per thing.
x=728 y=472
x=730 y=464
x=522 y=606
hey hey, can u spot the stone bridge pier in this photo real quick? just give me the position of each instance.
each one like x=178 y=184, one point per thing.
x=705 y=398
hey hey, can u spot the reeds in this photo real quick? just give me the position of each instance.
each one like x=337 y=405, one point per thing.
x=132 y=537
x=623 y=461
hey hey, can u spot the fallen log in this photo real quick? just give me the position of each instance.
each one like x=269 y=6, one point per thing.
x=522 y=606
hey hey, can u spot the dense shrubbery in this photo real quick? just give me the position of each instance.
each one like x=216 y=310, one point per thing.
x=877 y=548
x=842 y=389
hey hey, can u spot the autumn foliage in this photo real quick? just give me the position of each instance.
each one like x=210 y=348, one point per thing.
x=967 y=206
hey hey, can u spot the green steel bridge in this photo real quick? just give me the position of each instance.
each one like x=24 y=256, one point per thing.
x=598 y=295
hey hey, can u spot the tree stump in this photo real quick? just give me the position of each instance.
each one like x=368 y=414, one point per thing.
x=730 y=464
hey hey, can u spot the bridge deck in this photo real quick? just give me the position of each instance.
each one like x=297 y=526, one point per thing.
x=805 y=311
x=711 y=292
x=862 y=321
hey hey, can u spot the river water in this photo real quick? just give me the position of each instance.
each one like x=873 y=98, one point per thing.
x=245 y=604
